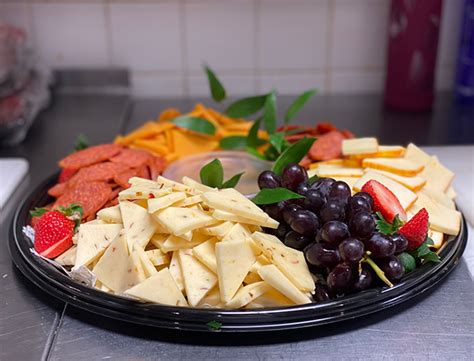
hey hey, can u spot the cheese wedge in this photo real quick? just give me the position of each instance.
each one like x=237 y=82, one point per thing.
x=212 y=300
x=155 y=204
x=442 y=219
x=115 y=268
x=288 y=260
x=230 y=200
x=400 y=166
x=219 y=230
x=237 y=233
x=406 y=197
x=234 y=260
x=324 y=162
x=416 y=155
x=329 y=171
x=252 y=278
x=384 y=151
x=175 y=186
x=438 y=196
x=228 y=216
x=148 y=266
x=174 y=243
x=93 y=239
x=160 y=288
x=110 y=215
x=271 y=298
x=352 y=162
x=68 y=258
x=451 y=193
x=196 y=185
x=247 y=294
x=182 y=220
x=189 y=201
x=273 y=276
x=142 y=192
x=158 y=240
x=175 y=270
x=138 y=224
x=188 y=236
x=206 y=254
x=157 y=258
x=137 y=266
x=437 y=237
x=359 y=146
x=413 y=183
x=135 y=181
x=437 y=175
x=198 y=279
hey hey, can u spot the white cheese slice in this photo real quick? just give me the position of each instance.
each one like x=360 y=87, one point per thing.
x=160 y=288
x=110 y=214
x=175 y=270
x=138 y=266
x=174 y=243
x=157 y=258
x=413 y=183
x=437 y=175
x=67 y=258
x=438 y=196
x=231 y=217
x=290 y=261
x=359 y=146
x=175 y=186
x=437 y=237
x=182 y=220
x=212 y=300
x=219 y=230
x=271 y=298
x=148 y=266
x=196 y=185
x=273 y=276
x=416 y=155
x=92 y=240
x=141 y=192
x=234 y=260
x=247 y=294
x=237 y=233
x=338 y=171
x=451 y=193
x=189 y=201
x=206 y=254
x=155 y=204
x=137 y=223
x=198 y=279
x=135 y=181
x=252 y=278
x=400 y=166
x=158 y=240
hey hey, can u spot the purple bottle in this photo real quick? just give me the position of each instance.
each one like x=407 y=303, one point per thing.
x=465 y=72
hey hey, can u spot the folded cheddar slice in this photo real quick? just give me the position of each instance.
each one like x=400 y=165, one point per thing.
x=414 y=183
x=359 y=146
x=398 y=166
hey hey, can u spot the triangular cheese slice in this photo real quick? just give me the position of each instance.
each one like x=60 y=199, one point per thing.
x=234 y=260
x=206 y=254
x=219 y=230
x=231 y=217
x=148 y=266
x=175 y=270
x=247 y=294
x=174 y=243
x=175 y=186
x=160 y=288
x=198 y=279
x=196 y=185
x=92 y=240
x=110 y=215
x=182 y=220
x=290 y=261
x=237 y=233
x=212 y=299
x=155 y=204
x=271 y=298
x=143 y=192
x=138 y=224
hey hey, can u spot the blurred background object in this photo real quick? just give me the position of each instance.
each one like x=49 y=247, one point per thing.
x=338 y=46
x=465 y=70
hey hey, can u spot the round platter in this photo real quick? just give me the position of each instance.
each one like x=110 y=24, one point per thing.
x=59 y=285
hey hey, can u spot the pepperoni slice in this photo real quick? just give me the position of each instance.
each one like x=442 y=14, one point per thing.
x=122 y=178
x=97 y=172
x=327 y=146
x=91 y=196
x=323 y=128
x=132 y=158
x=89 y=156
x=156 y=166
x=57 y=190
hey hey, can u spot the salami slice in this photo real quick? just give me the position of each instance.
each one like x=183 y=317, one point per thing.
x=156 y=166
x=97 y=172
x=327 y=146
x=91 y=196
x=132 y=158
x=57 y=190
x=89 y=156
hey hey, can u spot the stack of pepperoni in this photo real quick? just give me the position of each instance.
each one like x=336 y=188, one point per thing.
x=93 y=177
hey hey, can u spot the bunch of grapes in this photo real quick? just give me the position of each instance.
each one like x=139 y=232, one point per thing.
x=336 y=232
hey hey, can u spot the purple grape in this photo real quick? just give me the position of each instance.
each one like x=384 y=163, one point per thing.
x=351 y=250
x=357 y=204
x=340 y=190
x=297 y=241
x=289 y=211
x=340 y=279
x=334 y=232
x=281 y=231
x=314 y=200
x=302 y=188
x=324 y=186
x=332 y=211
x=380 y=245
x=268 y=179
x=367 y=197
x=275 y=210
x=392 y=267
x=321 y=293
x=305 y=222
x=321 y=255
x=362 y=225
x=363 y=280
x=293 y=175
x=401 y=243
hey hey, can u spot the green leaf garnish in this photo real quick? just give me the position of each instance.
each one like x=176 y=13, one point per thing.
x=313 y=179
x=274 y=195
x=217 y=89
x=212 y=174
x=278 y=141
x=424 y=254
x=298 y=104
x=293 y=154
x=214 y=325
x=38 y=212
x=232 y=182
x=252 y=137
x=255 y=153
x=81 y=143
x=388 y=228
x=269 y=115
x=234 y=142
x=247 y=106
x=408 y=261
x=195 y=124
x=271 y=153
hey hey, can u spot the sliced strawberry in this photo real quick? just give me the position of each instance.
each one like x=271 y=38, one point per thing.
x=66 y=174
x=416 y=229
x=52 y=228
x=58 y=248
x=385 y=201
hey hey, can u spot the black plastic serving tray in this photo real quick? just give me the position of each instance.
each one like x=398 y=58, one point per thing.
x=59 y=285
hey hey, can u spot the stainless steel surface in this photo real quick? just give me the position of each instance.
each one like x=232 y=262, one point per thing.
x=33 y=325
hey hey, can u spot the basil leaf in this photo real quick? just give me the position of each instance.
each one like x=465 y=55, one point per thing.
x=195 y=124
x=232 y=182
x=81 y=143
x=247 y=106
x=269 y=115
x=274 y=195
x=293 y=154
x=278 y=141
x=212 y=174
x=217 y=89
x=234 y=142
x=298 y=104
x=271 y=153
x=255 y=153
x=408 y=261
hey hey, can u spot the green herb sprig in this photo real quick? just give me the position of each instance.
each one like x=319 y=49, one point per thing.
x=212 y=175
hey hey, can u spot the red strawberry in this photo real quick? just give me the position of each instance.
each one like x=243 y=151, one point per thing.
x=416 y=229
x=53 y=234
x=66 y=174
x=385 y=201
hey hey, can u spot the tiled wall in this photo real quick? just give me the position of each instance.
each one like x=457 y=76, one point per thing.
x=338 y=46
